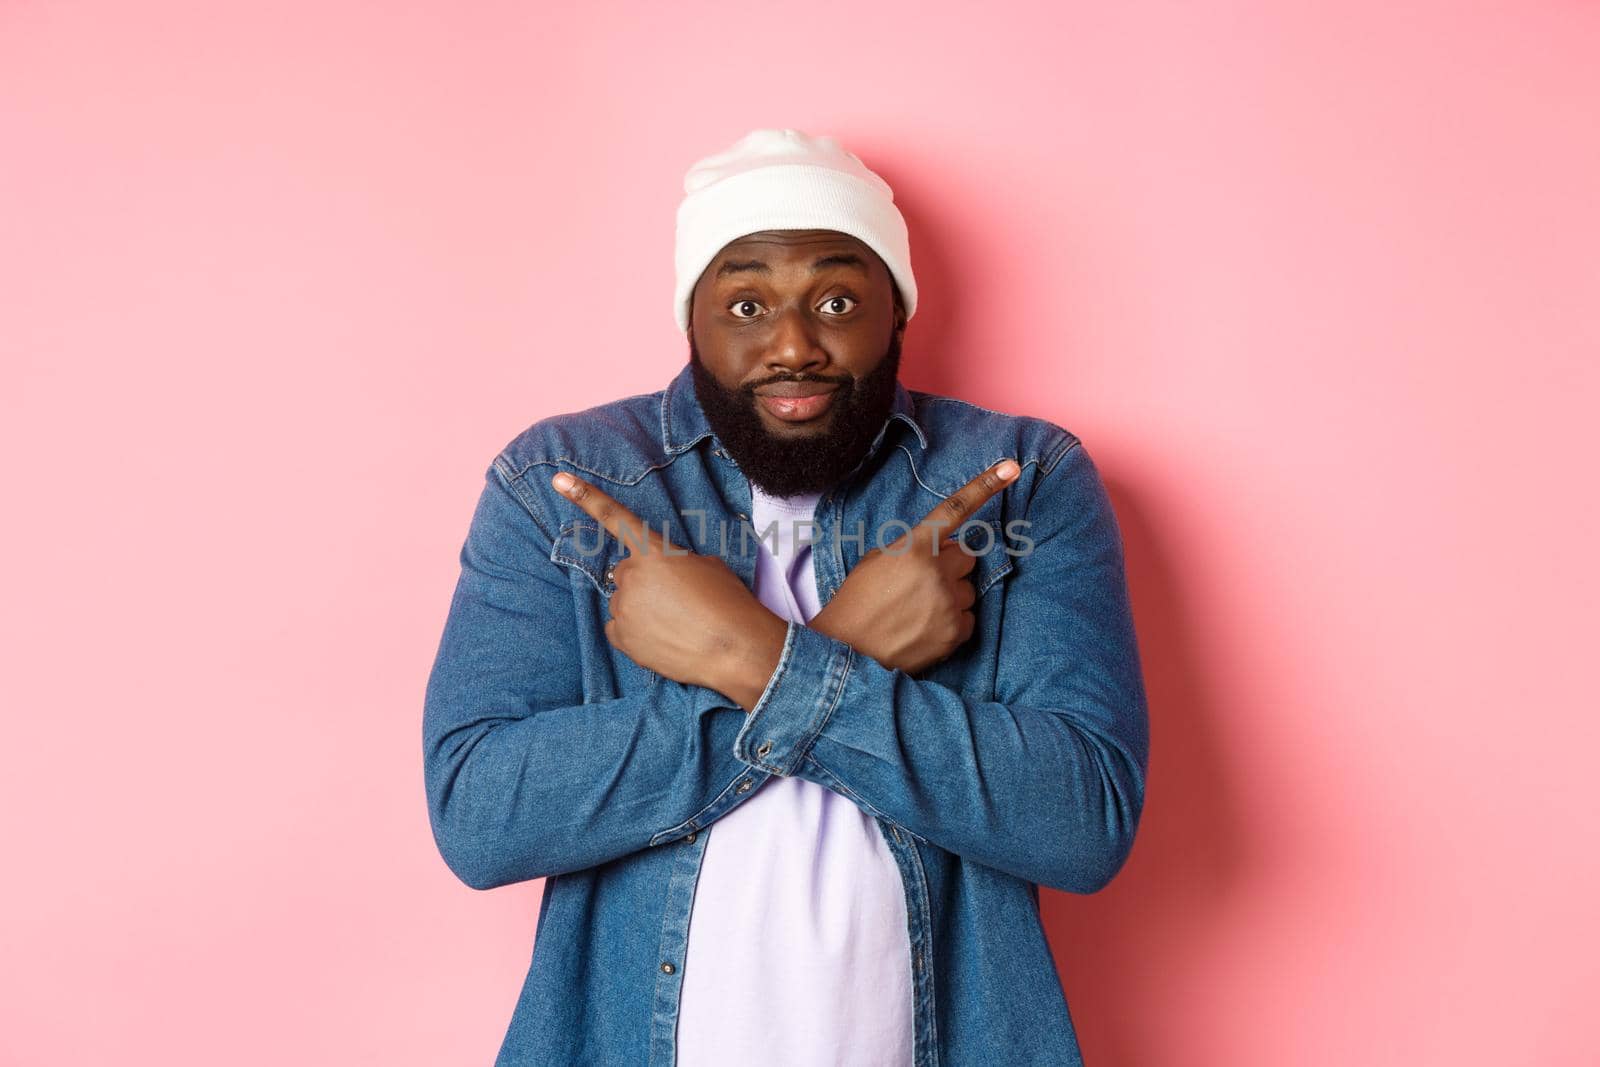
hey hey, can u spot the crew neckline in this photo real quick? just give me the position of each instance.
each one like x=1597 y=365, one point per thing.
x=797 y=503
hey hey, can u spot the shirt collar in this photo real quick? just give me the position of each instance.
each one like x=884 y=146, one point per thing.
x=683 y=421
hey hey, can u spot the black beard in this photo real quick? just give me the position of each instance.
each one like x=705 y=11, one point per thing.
x=810 y=464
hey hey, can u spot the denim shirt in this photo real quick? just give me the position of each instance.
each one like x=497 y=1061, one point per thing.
x=1017 y=761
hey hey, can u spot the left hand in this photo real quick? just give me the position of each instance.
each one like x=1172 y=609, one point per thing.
x=908 y=605
x=685 y=616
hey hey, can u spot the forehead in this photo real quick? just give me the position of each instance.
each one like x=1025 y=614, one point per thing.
x=779 y=244
x=792 y=254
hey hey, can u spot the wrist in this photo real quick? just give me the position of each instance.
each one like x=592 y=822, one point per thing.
x=749 y=664
x=824 y=622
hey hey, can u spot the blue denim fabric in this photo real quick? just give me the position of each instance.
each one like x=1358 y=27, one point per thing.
x=1018 y=761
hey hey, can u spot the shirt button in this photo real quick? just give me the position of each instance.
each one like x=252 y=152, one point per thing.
x=741 y=514
x=766 y=746
x=611 y=576
x=667 y=968
x=690 y=839
x=744 y=786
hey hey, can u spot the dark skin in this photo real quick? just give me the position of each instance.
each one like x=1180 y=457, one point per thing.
x=752 y=325
x=689 y=617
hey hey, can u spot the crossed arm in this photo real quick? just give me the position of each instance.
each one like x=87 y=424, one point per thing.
x=1045 y=782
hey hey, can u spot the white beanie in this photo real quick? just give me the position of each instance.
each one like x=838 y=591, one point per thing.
x=785 y=180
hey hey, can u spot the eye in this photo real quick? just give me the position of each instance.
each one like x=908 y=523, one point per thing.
x=742 y=303
x=834 y=300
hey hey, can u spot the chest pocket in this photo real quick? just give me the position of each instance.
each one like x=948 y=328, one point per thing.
x=984 y=537
x=589 y=550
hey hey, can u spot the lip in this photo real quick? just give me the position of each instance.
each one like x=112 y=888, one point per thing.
x=797 y=401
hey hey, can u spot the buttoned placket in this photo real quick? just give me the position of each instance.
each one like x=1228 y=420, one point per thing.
x=691 y=837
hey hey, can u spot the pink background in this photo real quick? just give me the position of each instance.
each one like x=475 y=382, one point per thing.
x=1317 y=286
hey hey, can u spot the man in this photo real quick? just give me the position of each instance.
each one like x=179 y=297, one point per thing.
x=792 y=683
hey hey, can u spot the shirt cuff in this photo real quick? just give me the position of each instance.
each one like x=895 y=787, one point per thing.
x=795 y=706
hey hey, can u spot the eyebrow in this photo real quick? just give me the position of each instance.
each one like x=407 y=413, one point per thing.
x=838 y=259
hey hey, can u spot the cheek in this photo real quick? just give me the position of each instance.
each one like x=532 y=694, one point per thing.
x=860 y=350
x=731 y=359
x=869 y=334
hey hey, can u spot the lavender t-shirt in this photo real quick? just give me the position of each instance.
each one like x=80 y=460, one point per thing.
x=799 y=952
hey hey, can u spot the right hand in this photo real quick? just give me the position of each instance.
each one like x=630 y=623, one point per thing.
x=907 y=604
x=683 y=615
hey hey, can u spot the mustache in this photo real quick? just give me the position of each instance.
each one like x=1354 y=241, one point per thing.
x=796 y=378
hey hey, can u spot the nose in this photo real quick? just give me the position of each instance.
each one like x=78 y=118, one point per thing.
x=794 y=346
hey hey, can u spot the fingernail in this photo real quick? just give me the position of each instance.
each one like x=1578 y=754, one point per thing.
x=564 y=482
x=1008 y=469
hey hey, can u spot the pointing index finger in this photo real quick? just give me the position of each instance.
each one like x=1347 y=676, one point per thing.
x=605 y=509
x=959 y=506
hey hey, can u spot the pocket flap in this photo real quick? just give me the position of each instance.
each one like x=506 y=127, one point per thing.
x=589 y=547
